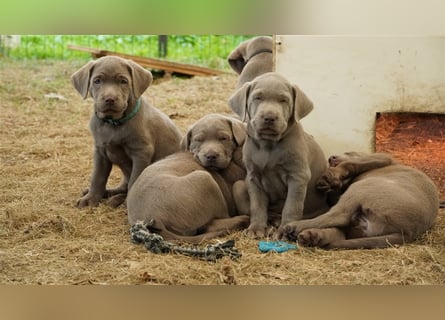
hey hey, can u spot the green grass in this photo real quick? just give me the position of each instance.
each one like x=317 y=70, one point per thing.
x=206 y=50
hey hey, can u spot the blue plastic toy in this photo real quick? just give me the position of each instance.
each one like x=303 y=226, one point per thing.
x=277 y=246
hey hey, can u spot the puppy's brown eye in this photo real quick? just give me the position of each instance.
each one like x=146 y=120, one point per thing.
x=124 y=81
x=223 y=138
x=97 y=81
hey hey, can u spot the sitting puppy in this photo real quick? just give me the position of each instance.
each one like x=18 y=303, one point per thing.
x=188 y=195
x=252 y=58
x=383 y=203
x=283 y=162
x=127 y=130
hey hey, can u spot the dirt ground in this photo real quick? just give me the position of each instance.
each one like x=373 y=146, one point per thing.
x=415 y=139
x=46 y=161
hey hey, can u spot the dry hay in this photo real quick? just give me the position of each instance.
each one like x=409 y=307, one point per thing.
x=46 y=160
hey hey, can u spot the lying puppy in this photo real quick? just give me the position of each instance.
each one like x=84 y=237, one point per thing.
x=188 y=195
x=127 y=130
x=383 y=203
x=283 y=162
x=252 y=58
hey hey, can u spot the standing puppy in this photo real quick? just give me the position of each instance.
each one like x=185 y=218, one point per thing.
x=383 y=203
x=127 y=130
x=252 y=58
x=283 y=162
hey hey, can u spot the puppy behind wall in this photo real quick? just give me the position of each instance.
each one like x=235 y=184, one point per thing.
x=188 y=195
x=283 y=162
x=252 y=58
x=383 y=203
x=127 y=130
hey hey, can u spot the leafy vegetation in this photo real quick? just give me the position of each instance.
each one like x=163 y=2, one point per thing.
x=207 y=50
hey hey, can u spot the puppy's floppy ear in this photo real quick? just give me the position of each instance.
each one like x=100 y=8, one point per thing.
x=238 y=101
x=302 y=105
x=236 y=58
x=141 y=78
x=239 y=130
x=185 y=141
x=81 y=79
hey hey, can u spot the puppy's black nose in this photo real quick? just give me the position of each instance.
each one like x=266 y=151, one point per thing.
x=211 y=156
x=269 y=120
x=110 y=101
x=332 y=161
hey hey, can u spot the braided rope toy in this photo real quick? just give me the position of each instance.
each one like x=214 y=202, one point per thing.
x=155 y=243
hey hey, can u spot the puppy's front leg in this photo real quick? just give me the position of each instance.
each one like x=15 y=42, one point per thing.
x=259 y=202
x=139 y=162
x=241 y=197
x=293 y=206
x=101 y=170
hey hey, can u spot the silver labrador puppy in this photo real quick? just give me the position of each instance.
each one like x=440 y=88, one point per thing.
x=188 y=196
x=252 y=58
x=127 y=130
x=382 y=203
x=283 y=162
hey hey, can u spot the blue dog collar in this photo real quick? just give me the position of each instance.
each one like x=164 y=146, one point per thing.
x=121 y=121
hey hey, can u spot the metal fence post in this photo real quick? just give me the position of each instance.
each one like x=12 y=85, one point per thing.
x=162 y=46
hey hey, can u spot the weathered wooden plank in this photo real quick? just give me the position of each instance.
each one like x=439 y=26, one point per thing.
x=158 y=64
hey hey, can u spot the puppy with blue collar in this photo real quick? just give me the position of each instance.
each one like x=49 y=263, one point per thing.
x=127 y=130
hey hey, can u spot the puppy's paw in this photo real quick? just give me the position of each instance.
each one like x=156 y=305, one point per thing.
x=256 y=232
x=290 y=231
x=116 y=200
x=310 y=238
x=88 y=200
x=280 y=234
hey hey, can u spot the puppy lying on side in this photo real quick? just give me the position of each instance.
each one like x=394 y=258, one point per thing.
x=283 y=162
x=252 y=58
x=127 y=130
x=188 y=195
x=383 y=203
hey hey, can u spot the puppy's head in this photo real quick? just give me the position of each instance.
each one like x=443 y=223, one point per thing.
x=239 y=56
x=270 y=104
x=213 y=140
x=335 y=160
x=114 y=84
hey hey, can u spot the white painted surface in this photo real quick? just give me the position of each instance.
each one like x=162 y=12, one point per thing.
x=351 y=78
x=10 y=41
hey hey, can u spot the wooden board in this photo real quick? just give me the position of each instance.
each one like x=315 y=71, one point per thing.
x=157 y=64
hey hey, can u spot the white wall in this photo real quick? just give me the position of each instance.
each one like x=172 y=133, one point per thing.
x=350 y=78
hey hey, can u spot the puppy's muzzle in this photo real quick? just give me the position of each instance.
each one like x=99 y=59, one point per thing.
x=211 y=156
x=210 y=159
